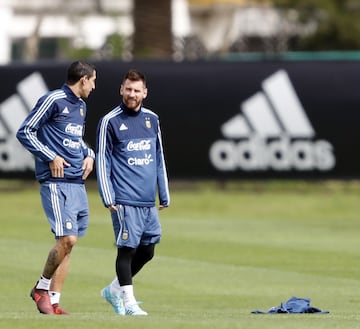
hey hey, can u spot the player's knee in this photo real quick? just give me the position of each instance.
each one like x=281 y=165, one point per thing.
x=126 y=253
x=148 y=252
x=67 y=242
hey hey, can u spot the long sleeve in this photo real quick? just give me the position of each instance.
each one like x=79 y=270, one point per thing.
x=87 y=151
x=162 y=178
x=28 y=131
x=103 y=163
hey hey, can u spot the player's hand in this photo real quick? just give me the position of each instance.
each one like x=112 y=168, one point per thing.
x=161 y=207
x=57 y=167
x=87 y=167
x=112 y=208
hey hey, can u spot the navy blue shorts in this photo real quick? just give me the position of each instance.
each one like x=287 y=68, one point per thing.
x=66 y=208
x=134 y=226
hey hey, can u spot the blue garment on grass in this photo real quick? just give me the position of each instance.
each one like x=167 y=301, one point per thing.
x=293 y=305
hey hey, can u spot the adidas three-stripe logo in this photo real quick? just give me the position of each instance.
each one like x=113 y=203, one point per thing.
x=271 y=113
x=272 y=132
x=13 y=111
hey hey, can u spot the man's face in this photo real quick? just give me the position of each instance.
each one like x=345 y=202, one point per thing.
x=87 y=85
x=133 y=93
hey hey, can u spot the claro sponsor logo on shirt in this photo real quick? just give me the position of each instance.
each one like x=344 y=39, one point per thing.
x=71 y=144
x=272 y=133
x=143 y=145
x=146 y=160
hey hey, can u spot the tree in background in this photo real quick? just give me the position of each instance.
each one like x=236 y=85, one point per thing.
x=153 y=36
x=333 y=24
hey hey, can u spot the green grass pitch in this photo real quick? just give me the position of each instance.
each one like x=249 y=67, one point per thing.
x=227 y=249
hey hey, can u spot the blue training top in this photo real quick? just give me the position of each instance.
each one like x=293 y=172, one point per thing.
x=55 y=126
x=130 y=162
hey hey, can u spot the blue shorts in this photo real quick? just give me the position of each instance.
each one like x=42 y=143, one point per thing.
x=134 y=226
x=66 y=208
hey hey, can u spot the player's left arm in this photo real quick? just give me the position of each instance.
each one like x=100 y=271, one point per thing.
x=88 y=162
x=87 y=167
x=162 y=178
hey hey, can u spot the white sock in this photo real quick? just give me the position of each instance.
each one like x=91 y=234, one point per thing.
x=128 y=294
x=54 y=297
x=115 y=287
x=43 y=283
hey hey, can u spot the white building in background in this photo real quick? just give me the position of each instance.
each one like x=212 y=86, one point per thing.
x=88 y=23
x=80 y=20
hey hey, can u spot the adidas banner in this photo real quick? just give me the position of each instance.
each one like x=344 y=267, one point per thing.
x=223 y=120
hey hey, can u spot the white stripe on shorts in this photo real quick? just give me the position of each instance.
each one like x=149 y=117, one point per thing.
x=56 y=208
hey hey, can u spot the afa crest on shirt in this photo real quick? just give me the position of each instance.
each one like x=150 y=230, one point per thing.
x=147 y=122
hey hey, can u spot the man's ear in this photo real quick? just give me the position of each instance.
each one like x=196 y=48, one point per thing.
x=83 y=80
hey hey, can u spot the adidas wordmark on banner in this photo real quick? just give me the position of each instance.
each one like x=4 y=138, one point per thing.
x=272 y=132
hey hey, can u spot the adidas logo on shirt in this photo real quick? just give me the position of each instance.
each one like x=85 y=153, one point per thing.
x=123 y=127
x=65 y=110
x=272 y=132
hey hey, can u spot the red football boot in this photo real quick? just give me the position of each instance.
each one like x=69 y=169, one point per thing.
x=42 y=300
x=58 y=310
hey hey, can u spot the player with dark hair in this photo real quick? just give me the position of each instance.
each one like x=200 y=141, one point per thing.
x=53 y=132
x=131 y=170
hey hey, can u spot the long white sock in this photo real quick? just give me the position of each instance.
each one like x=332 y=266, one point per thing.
x=43 y=283
x=54 y=297
x=128 y=294
x=115 y=287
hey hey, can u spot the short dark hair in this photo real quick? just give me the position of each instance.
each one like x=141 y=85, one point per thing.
x=79 y=69
x=135 y=75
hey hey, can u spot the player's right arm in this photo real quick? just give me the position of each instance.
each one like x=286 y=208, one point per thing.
x=103 y=163
x=27 y=134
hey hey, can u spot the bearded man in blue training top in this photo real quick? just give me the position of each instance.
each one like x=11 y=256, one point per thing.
x=131 y=170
